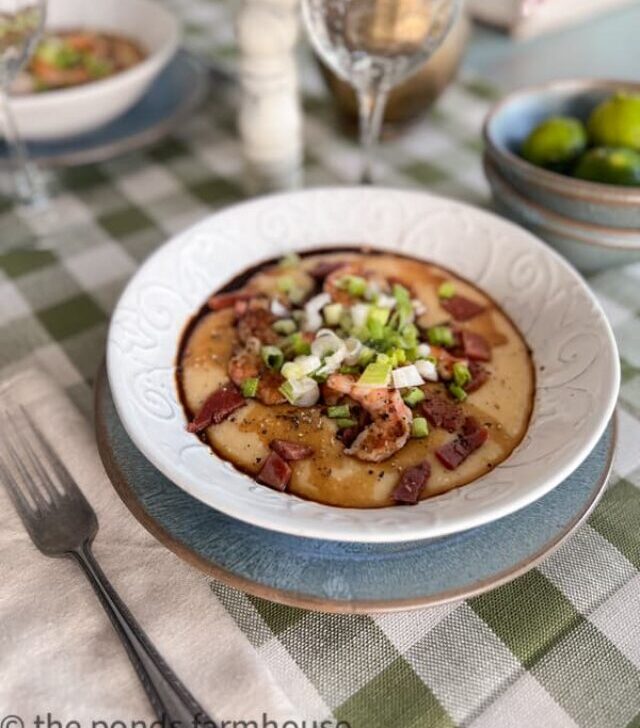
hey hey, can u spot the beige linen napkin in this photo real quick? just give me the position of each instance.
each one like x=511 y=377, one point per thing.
x=58 y=651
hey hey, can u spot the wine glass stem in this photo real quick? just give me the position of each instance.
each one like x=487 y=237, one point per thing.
x=28 y=185
x=371 y=105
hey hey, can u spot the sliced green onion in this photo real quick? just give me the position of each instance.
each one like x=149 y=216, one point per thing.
x=297 y=295
x=301 y=367
x=339 y=411
x=272 y=356
x=440 y=336
x=404 y=309
x=354 y=285
x=332 y=314
x=409 y=335
x=285 y=284
x=346 y=422
x=366 y=356
x=414 y=396
x=377 y=374
x=284 y=326
x=419 y=427
x=291 y=260
x=457 y=392
x=349 y=369
x=250 y=387
x=401 y=294
x=297 y=345
x=461 y=374
x=378 y=315
x=446 y=290
x=400 y=356
x=301 y=392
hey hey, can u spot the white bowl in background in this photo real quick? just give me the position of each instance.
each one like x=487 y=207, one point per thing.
x=66 y=112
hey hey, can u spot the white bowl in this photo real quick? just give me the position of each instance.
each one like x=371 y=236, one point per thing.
x=573 y=348
x=66 y=112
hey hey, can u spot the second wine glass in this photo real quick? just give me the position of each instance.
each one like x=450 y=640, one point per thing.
x=375 y=45
x=21 y=24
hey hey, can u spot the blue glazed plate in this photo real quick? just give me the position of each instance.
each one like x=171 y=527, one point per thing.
x=175 y=93
x=335 y=576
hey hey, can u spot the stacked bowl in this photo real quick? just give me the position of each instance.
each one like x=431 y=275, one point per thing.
x=592 y=224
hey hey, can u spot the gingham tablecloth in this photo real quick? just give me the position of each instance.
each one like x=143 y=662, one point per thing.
x=559 y=646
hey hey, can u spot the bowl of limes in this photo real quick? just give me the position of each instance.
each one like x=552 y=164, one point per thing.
x=564 y=159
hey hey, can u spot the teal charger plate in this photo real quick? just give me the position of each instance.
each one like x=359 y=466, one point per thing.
x=332 y=576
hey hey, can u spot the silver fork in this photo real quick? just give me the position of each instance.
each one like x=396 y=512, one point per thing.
x=61 y=522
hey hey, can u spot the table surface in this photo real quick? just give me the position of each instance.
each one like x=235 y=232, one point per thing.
x=559 y=646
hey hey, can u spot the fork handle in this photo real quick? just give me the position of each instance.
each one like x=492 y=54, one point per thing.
x=170 y=699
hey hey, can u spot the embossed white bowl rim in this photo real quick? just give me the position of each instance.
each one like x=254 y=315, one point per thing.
x=573 y=347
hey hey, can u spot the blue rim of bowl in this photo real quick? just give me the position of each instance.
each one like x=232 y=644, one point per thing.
x=553 y=181
x=292 y=599
x=491 y=170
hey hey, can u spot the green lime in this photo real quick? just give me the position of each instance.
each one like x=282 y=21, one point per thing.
x=555 y=142
x=616 y=122
x=614 y=166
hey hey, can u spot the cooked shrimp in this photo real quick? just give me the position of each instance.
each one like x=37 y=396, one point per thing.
x=245 y=363
x=256 y=322
x=391 y=419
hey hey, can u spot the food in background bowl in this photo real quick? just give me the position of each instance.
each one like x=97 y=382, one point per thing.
x=612 y=133
x=356 y=379
x=74 y=57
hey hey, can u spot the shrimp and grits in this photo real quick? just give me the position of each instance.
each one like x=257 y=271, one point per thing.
x=356 y=378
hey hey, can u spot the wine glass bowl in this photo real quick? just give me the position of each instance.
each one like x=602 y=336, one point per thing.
x=374 y=45
x=21 y=24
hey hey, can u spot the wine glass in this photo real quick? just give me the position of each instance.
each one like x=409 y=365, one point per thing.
x=375 y=45
x=21 y=24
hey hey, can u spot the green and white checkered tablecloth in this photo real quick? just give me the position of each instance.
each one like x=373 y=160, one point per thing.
x=559 y=646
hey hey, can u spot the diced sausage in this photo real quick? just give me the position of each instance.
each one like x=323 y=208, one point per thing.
x=441 y=411
x=216 y=408
x=475 y=346
x=411 y=484
x=275 y=472
x=291 y=450
x=453 y=453
x=479 y=376
x=461 y=308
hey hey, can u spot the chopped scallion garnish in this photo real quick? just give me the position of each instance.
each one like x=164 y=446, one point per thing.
x=345 y=422
x=354 y=285
x=249 y=387
x=440 y=336
x=272 y=356
x=461 y=374
x=457 y=392
x=333 y=313
x=446 y=290
x=349 y=369
x=284 y=326
x=285 y=284
x=414 y=396
x=339 y=411
x=367 y=355
x=297 y=345
x=377 y=374
x=378 y=315
x=419 y=427
x=291 y=260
